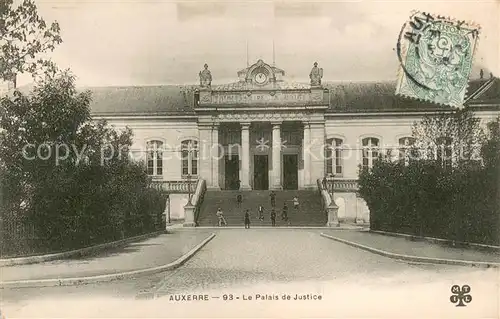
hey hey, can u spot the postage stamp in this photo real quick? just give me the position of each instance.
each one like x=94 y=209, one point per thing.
x=436 y=55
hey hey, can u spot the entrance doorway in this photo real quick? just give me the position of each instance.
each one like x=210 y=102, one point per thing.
x=232 y=172
x=290 y=171
x=260 y=172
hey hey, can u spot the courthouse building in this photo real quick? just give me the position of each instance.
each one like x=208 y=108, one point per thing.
x=262 y=132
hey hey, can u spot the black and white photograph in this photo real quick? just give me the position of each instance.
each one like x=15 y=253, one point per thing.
x=249 y=159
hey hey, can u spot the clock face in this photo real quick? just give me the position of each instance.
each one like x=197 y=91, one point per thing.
x=260 y=78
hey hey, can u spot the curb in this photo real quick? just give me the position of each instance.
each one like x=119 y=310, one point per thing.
x=78 y=252
x=32 y=283
x=281 y=227
x=437 y=240
x=416 y=258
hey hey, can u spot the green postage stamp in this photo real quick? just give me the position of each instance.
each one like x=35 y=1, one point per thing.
x=435 y=57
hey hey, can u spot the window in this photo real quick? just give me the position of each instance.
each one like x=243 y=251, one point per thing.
x=405 y=146
x=154 y=158
x=334 y=157
x=444 y=151
x=189 y=149
x=370 y=151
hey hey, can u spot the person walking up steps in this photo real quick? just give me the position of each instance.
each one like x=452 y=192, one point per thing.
x=247 y=219
x=261 y=213
x=220 y=217
x=239 y=199
x=273 y=217
x=296 y=202
x=273 y=199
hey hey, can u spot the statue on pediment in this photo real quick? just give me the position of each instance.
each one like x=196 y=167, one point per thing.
x=205 y=77
x=315 y=75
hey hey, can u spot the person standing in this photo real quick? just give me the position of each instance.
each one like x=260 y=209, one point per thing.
x=296 y=202
x=284 y=213
x=273 y=217
x=220 y=217
x=261 y=213
x=273 y=199
x=247 y=219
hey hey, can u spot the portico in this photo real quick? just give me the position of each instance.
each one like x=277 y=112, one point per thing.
x=261 y=133
x=261 y=155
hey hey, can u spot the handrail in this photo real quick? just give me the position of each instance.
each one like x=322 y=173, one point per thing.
x=198 y=197
x=325 y=195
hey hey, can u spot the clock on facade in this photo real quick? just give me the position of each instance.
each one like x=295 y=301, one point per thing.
x=260 y=78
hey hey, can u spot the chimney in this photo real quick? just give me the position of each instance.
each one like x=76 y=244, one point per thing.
x=491 y=75
x=481 y=73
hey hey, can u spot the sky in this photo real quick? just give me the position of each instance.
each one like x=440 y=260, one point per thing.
x=149 y=42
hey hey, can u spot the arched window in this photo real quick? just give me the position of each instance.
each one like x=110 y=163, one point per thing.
x=189 y=149
x=405 y=146
x=334 y=156
x=444 y=151
x=154 y=158
x=370 y=151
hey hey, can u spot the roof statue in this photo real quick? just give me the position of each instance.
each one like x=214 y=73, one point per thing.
x=205 y=77
x=315 y=75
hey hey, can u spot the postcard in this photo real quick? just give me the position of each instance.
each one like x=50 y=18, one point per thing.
x=236 y=159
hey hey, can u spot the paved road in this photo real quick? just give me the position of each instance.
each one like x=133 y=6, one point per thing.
x=352 y=283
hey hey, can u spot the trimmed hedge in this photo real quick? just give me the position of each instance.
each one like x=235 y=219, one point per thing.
x=426 y=199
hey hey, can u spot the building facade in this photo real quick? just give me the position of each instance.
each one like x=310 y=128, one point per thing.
x=262 y=132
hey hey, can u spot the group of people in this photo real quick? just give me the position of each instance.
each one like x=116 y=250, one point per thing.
x=260 y=210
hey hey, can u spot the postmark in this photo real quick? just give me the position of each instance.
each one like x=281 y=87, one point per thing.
x=435 y=58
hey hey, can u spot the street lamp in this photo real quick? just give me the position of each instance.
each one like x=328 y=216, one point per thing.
x=333 y=220
x=189 y=150
x=331 y=186
x=189 y=190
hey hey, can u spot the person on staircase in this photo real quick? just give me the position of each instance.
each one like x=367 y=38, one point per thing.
x=261 y=213
x=284 y=214
x=273 y=199
x=296 y=203
x=220 y=217
x=273 y=217
x=239 y=199
x=247 y=219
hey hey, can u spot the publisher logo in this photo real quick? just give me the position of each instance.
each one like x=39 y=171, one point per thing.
x=460 y=295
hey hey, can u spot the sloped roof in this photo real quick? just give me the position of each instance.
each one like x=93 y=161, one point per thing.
x=343 y=97
x=489 y=96
x=165 y=99
x=380 y=96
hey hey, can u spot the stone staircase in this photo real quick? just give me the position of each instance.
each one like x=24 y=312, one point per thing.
x=310 y=213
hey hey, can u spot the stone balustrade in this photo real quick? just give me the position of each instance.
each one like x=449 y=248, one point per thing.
x=179 y=187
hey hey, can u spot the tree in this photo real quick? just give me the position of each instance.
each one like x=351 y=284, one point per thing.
x=24 y=37
x=69 y=176
x=449 y=137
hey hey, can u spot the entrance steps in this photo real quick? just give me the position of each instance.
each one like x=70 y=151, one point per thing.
x=310 y=212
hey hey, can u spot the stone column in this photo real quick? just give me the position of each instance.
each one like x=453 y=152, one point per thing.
x=333 y=220
x=245 y=157
x=189 y=216
x=317 y=151
x=276 y=155
x=305 y=155
x=214 y=154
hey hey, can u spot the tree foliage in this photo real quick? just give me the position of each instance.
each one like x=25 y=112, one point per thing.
x=461 y=128
x=24 y=37
x=68 y=176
